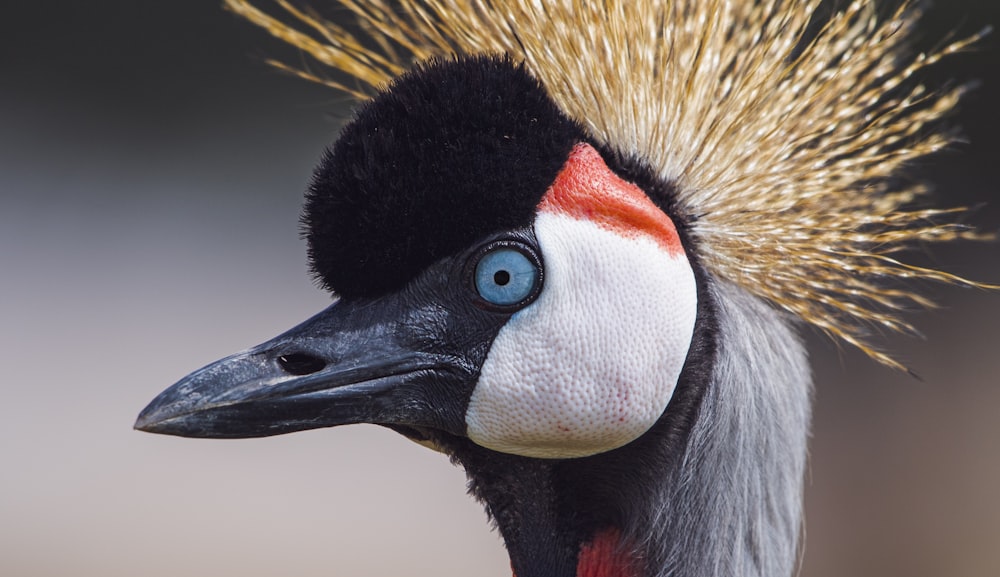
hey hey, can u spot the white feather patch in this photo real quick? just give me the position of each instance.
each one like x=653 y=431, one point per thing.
x=591 y=364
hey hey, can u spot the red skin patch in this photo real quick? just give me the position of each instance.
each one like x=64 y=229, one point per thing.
x=586 y=189
x=605 y=556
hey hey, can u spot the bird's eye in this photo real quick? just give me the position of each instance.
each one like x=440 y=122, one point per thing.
x=507 y=276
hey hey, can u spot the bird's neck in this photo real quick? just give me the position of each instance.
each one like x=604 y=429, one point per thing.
x=558 y=518
x=733 y=506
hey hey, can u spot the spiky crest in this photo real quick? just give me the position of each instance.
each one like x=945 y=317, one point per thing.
x=785 y=145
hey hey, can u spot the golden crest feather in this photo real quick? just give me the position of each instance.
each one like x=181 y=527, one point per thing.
x=785 y=142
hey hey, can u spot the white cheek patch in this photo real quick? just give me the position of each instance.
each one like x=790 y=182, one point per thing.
x=593 y=362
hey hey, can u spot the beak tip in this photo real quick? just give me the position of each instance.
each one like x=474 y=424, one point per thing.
x=166 y=425
x=142 y=423
x=159 y=417
x=146 y=422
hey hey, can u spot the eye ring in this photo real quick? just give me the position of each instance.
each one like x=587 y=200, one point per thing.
x=505 y=276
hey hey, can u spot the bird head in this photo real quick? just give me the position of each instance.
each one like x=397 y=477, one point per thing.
x=504 y=290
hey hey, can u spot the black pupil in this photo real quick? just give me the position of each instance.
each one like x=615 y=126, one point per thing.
x=501 y=277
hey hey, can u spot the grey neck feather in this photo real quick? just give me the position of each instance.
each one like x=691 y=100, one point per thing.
x=733 y=508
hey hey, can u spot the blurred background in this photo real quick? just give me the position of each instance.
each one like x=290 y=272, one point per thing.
x=151 y=172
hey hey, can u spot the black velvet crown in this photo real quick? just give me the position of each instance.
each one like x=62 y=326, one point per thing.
x=453 y=151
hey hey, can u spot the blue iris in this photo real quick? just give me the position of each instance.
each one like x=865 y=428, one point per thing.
x=506 y=277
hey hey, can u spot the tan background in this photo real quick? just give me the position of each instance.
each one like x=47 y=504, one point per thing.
x=151 y=170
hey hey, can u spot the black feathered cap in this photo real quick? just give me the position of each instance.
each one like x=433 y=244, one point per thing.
x=453 y=151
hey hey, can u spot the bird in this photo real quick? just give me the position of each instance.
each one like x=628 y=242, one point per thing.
x=573 y=245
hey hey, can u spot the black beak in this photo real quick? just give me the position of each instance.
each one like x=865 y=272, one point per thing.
x=382 y=361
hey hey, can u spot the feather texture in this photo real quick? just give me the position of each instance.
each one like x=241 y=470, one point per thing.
x=785 y=138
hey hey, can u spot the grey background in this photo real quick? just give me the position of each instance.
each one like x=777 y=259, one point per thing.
x=151 y=169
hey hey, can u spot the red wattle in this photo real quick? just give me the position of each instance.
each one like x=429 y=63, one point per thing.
x=606 y=556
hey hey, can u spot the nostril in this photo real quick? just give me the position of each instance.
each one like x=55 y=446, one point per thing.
x=301 y=364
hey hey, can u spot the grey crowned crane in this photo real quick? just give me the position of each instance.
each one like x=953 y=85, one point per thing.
x=571 y=246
